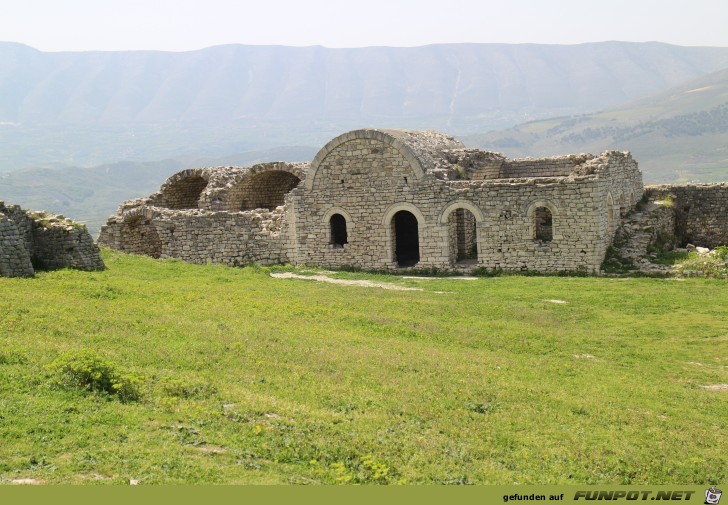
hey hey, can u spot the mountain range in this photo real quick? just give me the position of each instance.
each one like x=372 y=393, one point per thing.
x=86 y=108
x=677 y=135
x=80 y=131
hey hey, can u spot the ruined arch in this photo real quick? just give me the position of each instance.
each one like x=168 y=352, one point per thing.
x=140 y=236
x=262 y=190
x=183 y=190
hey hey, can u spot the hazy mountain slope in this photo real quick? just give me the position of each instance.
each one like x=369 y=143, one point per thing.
x=680 y=134
x=90 y=107
x=90 y=195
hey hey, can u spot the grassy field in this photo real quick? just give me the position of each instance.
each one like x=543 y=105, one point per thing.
x=222 y=375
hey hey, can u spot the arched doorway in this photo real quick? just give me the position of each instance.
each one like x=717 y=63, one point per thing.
x=461 y=224
x=406 y=239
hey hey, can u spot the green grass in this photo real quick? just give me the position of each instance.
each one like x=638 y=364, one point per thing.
x=242 y=378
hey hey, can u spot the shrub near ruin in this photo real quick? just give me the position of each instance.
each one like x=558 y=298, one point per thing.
x=86 y=371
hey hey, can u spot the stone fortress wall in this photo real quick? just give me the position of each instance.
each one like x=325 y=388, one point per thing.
x=389 y=200
x=38 y=240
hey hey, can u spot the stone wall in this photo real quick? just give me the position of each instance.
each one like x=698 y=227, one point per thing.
x=14 y=254
x=198 y=236
x=557 y=166
x=701 y=211
x=30 y=240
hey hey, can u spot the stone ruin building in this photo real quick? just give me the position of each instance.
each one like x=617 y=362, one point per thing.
x=39 y=240
x=389 y=200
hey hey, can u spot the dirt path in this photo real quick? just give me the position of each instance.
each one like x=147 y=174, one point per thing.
x=347 y=282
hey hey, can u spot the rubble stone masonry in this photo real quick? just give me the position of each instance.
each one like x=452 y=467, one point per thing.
x=30 y=240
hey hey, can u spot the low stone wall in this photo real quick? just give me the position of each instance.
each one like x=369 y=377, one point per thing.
x=556 y=166
x=198 y=236
x=30 y=240
x=701 y=211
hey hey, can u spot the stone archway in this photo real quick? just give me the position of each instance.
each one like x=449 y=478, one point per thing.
x=405 y=232
x=462 y=236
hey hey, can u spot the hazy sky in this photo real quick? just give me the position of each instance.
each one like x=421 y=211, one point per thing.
x=180 y=25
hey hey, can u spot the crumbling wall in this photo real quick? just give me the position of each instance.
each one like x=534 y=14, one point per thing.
x=556 y=166
x=39 y=240
x=701 y=211
x=14 y=255
x=64 y=244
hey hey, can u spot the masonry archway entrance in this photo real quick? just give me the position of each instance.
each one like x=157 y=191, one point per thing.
x=406 y=239
x=462 y=235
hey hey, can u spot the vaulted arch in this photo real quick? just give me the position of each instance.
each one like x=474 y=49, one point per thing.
x=416 y=163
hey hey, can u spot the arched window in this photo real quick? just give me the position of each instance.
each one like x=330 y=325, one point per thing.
x=337 y=227
x=543 y=224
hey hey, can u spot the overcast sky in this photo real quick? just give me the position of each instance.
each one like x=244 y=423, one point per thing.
x=181 y=25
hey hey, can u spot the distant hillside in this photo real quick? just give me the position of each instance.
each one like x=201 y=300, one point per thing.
x=85 y=108
x=90 y=195
x=680 y=134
